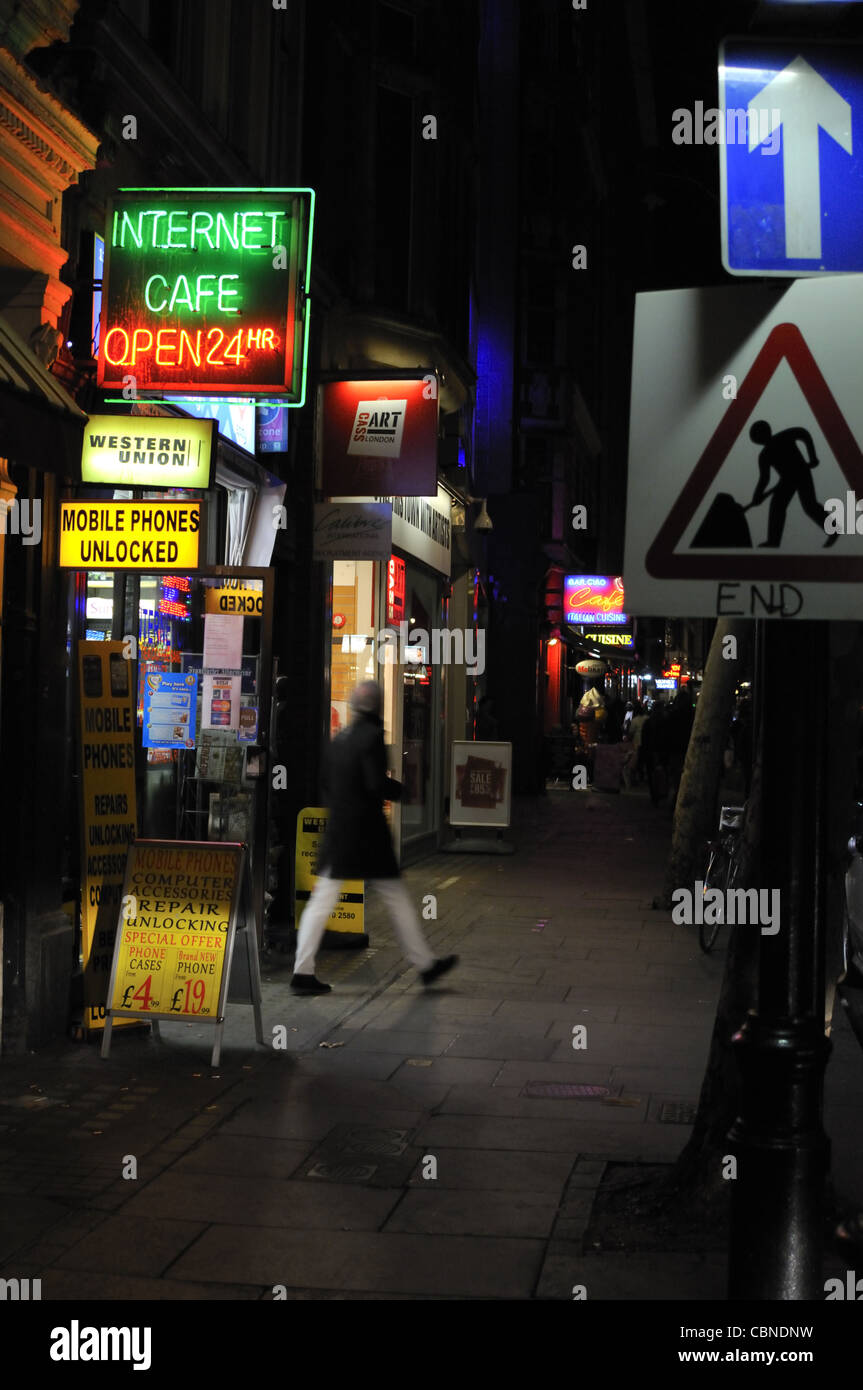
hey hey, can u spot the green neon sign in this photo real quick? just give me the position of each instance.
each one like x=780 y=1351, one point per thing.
x=206 y=292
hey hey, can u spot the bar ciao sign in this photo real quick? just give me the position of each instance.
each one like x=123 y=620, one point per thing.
x=592 y=598
x=205 y=290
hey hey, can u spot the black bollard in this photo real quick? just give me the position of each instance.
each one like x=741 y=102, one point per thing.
x=782 y=1152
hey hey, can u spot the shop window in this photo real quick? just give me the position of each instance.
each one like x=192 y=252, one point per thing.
x=540 y=336
x=419 y=696
x=353 y=635
x=396 y=33
x=161 y=29
x=197 y=781
x=99 y=605
x=393 y=178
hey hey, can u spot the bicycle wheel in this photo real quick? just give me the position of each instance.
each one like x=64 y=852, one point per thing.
x=715 y=876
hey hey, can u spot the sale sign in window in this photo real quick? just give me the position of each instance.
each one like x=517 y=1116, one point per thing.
x=205 y=291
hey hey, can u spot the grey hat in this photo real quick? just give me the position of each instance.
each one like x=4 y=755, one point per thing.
x=366 y=698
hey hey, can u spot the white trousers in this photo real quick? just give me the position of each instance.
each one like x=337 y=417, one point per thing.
x=403 y=915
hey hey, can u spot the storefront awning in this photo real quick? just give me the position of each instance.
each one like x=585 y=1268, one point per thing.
x=576 y=641
x=40 y=424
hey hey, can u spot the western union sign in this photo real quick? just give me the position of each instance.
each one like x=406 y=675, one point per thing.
x=138 y=451
x=129 y=535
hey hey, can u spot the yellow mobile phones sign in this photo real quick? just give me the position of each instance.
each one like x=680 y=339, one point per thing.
x=129 y=535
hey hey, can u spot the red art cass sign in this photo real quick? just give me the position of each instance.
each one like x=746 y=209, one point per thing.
x=379 y=438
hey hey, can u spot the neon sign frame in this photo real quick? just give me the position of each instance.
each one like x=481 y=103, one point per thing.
x=594 y=599
x=192 y=301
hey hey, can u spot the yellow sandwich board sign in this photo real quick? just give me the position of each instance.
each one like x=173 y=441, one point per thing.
x=346 y=921
x=176 y=934
x=106 y=715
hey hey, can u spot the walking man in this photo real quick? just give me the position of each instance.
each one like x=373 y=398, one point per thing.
x=357 y=844
x=780 y=452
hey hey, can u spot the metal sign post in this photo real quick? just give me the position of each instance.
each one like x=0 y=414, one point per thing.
x=782 y=1152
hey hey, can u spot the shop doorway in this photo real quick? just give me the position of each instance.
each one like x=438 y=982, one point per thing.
x=421 y=700
x=201 y=652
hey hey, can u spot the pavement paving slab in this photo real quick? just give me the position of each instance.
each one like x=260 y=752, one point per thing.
x=409 y=1159
x=423 y=1265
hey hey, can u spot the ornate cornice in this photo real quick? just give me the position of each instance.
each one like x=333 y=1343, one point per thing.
x=8 y=489
x=12 y=122
x=37 y=23
x=42 y=125
x=43 y=149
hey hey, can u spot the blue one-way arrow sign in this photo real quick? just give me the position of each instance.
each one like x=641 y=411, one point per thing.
x=791 y=137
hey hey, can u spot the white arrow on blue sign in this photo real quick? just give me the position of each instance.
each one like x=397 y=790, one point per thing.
x=791 y=140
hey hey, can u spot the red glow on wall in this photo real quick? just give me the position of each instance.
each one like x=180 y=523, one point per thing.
x=379 y=438
x=553 y=672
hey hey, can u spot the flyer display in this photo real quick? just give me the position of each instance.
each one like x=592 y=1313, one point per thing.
x=223 y=656
x=170 y=701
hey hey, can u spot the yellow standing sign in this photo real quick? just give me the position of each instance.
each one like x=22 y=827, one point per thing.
x=106 y=713
x=345 y=926
x=176 y=934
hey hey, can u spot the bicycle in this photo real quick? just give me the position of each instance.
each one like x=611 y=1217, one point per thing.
x=723 y=866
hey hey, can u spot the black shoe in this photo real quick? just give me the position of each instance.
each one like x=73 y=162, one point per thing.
x=309 y=984
x=439 y=968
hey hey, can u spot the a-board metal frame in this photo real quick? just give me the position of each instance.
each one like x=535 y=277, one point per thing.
x=242 y=894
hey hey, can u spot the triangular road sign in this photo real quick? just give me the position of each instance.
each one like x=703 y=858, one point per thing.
x=785 y=342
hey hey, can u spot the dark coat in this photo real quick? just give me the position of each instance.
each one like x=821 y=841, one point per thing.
x=678 y=727
x=357 y=843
